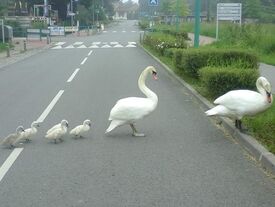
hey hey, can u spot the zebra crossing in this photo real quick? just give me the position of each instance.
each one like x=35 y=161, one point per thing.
x=93 y=45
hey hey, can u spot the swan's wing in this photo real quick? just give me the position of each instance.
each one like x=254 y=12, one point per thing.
x=239 y=99
x=56 y=133
x=131 y=109
x=54 y=128
x=9 y=139
x=76 y=130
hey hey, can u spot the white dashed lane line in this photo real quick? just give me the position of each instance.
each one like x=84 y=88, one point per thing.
x=50 y=106
x=9 y=161
x=73 y=75
x=83 y=61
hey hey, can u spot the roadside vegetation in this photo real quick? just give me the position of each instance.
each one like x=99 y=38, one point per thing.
x=231 y=63
x=258 y=38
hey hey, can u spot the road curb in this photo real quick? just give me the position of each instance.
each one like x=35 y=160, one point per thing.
x=249 y=143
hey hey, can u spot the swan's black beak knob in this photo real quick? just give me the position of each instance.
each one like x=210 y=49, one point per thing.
x=269 y=97
x=155 y=75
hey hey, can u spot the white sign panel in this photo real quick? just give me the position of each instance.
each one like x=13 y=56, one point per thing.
x=228 y=12
x=57 y=31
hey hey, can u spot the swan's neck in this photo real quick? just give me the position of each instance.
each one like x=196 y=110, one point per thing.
x=267 y=96
x=144 y=89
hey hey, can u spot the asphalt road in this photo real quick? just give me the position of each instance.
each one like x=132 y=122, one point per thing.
x=184 y=160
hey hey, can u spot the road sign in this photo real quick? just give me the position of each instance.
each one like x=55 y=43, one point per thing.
x=228 y=12
x=153 y=2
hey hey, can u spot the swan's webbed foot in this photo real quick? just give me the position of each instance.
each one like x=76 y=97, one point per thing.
x=238 y=125
x=135 y=133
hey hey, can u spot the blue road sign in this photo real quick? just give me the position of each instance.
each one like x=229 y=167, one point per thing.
x=153 y=2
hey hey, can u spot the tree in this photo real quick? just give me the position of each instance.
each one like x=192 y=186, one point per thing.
x=252 y=8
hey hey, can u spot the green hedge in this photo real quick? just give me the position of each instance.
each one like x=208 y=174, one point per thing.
x=219 y=80
x=192 y=60
x=160 y=42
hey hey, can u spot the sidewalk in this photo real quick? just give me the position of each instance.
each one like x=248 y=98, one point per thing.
x=21 y=51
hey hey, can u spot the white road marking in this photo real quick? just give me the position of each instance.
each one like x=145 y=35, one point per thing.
x=50 y=106
x=60 y=43
x=90 y=53
x=9 y=161
x=118 y=45
x=130 y=45
x=57 y=47
x=96 y=43
x=78 y=43
x=83 y=61
x=106 y=46
x=70 y=46
x=73 y=75
x=82 y=46
x=93 y=46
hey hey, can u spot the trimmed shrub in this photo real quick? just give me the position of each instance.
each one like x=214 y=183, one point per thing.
x=192 y=60
x=221 y=80
x=160 y=42
x=170 y=52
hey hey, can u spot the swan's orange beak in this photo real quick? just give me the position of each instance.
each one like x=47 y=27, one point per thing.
x=269 y=97
x=155 y=75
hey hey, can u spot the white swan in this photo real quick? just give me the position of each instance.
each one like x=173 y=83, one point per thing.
x=11 y=138
x=57 y=131
x=28 y=133
x=79 y=130
x=238 y=103
x=129 y=110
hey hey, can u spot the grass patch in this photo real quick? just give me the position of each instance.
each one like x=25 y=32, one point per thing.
x=3 y=47
x=258 y=38
x=263 y=127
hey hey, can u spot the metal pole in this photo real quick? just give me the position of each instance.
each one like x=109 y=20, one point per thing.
x=3 y=32
x=197 y=23
x=72 y=20
x=177 y=23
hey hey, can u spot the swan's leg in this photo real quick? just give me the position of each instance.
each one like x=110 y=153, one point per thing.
x=135 y=134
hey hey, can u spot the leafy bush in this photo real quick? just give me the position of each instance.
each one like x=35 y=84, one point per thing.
x=221 y=80
x=160 y=42
x=192 y=60
x=170 y=52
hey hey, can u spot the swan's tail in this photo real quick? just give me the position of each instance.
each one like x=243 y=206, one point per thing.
x=113 y=125
x=218 y=110
x=211 y=112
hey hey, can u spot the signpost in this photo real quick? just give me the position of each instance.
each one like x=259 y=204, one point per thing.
x=228 y=12
x=153 y=2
